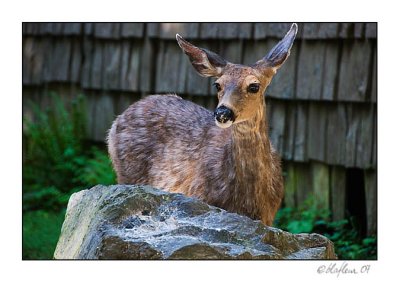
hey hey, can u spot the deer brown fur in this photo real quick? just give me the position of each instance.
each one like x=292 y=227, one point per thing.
x=225 y=159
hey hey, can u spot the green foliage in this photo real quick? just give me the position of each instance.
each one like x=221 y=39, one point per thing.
x=348 y=243
x=301 y=219
x=40 y=233
x=307 y=218
x=58 y=161
x=54 y=145
x=49 y=198
x=97 y=169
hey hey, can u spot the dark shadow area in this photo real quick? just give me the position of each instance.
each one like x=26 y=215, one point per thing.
x=355 y=199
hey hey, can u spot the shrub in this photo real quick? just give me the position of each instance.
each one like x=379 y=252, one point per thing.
x=57 y=162
x=54 y=145
x=307 y=218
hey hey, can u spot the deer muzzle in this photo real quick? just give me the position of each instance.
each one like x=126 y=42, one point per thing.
x=224 y=117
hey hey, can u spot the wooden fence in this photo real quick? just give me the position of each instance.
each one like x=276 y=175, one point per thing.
x=321 y=104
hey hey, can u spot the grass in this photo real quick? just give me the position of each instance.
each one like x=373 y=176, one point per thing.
x=41 y=229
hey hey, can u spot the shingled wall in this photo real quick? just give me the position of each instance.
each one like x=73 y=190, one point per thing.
x=322 y=103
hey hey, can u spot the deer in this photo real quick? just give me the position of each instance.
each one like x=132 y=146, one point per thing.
x=224 y=158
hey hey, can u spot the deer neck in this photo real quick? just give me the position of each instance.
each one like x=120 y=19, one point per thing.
x=251 y=160
x=250 y=138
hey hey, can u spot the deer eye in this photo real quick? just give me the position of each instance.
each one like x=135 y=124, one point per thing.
x=253 y=88
x=217 y=86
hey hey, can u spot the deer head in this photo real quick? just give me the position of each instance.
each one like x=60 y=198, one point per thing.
x=240 y=88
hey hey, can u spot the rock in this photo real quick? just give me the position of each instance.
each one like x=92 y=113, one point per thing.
x=140 y=222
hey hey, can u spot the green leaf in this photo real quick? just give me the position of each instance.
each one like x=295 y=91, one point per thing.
x=300 y=227
x=369 y=241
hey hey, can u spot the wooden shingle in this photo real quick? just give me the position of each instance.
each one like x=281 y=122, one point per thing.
x=26 y=29
x=159 y=83
x=345 y=30
x=122 y=100
x=47 y=51
x=330 y=71
x=354 y=71
x=33 y=28
x=87 y=62
x=353 y=129
x=111 y=59
x=310 y=30
x=300 y=138
x=255 y=50
x=34 y=59
x=58 y=28
x=365 y=138
x=132 y=29
x=88 y=28
x=208 y=30
x=245 y=31
x=290 y=180
x=338 y=192
x=336 y=134
x=130 y=66
x=228 y=30
x=152 y=29
x=309 y=70
x=260 y=30
x=132 y=75
x=90 y=98
x=27 y=54
x=277 y=110
x=195 y=84
x=46 y=28
x=374 y=77
x=290 y=131
x=107 y=30
x=146 y=72
x=375 y=141
x=359 y=30
x=370 y=180
x=72 y=28
x=103 y=114
x=370 y=30
x=96 y=73
x=170 y=72
x=264 y=30
x=320 y=183
x=328 y=30
x=316 y=139
x=76 y=61
x=192 y=30
x=304 y=182
x=232 y=51
x=124 y=64
x=320 y=30
x=61 y=57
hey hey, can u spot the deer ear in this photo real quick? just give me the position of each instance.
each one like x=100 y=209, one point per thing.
x=206 y=63
x=280 y=52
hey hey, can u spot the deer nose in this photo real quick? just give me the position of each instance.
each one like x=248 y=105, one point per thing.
x=223 y=114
